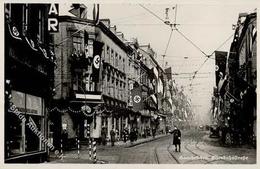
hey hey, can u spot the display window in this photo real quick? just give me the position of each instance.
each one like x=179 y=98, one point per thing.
x=25 y=130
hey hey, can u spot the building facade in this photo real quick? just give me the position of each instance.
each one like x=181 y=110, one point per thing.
x=236 y=92
x=107 y=93
x=29 y=67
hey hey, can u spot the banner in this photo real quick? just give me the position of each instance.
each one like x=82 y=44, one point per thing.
x=220 y=58
x=168 y=72
x=160 y=86
x=137 y=98
x=96 y=60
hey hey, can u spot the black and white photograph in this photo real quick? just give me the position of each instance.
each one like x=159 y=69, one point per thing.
x=130 y=83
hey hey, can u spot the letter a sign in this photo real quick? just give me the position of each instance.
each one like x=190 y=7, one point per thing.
x=53 y=23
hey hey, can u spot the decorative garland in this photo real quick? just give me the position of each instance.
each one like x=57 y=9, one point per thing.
x=77 y=111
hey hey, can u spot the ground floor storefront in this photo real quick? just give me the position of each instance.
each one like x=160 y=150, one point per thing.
x=26 y=129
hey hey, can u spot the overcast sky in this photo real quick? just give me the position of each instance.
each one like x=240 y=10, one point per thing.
x=207 y=26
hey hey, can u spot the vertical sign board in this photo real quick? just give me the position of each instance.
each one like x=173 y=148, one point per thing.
x=53 y=22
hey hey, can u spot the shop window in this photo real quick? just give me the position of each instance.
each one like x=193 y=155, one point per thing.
x=21 y=138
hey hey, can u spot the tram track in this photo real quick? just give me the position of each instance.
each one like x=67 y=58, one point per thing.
x=207 y=152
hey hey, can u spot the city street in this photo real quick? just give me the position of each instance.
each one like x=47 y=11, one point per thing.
x=196 y=148
x=89 y=83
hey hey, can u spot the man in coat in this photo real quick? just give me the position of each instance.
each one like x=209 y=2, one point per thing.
x=177 y=138
x=103 y=135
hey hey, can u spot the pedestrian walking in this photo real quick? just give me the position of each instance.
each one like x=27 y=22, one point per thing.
x=125 y=134
x=132 y=135
x=113 y=136
x=153 y=132
x=64 y=137
x=135 y=134
x=103 y=136
x=177 y=138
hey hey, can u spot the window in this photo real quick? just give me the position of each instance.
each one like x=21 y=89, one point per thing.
x=112 y=57
x=36 y=20
x=108 y=54
x=77 y=41
x=123 y=64
x=116 y=60
x=22 y=138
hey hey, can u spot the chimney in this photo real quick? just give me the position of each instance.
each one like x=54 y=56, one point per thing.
x=120 y=35
x=113 y=29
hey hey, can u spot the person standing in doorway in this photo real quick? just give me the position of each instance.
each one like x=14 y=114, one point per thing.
x=177 y=138
x=113 y=136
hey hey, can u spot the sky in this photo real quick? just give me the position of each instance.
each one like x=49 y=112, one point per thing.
x=206 y=25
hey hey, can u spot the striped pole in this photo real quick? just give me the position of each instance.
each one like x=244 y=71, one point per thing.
x=61 y=149
x=94 y=151
x=78 y=145
x=89 y=142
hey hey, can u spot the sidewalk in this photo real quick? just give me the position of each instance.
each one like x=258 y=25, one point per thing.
x=135 y=143
x=72 y=156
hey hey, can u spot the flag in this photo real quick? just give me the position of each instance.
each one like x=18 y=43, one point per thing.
x=222 y=85
x=154 y=98
x=220 y=58
x=96 y=13
x=170 y=101
x=160 y=86
x=86 y=37
x=137 y=98
x=155 y=71
x=96 y=60
x=168 y=72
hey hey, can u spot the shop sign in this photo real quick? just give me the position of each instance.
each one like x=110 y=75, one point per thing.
x=33 y=105
x=53 y=23
x=86 y=108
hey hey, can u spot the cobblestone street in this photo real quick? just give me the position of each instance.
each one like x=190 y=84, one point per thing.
x=194 y=150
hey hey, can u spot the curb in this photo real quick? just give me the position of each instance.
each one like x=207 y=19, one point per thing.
x=145 y=141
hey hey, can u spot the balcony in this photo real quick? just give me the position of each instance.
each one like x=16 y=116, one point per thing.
x=78 y=60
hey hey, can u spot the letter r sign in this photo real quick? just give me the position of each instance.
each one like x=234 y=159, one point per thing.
x=53 y=13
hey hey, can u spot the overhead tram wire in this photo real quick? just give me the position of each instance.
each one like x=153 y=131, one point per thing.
x=212 y=54
x=208 y=56
x=151 y=13
x=167 y=46
x=215 y=51
x=192 y=43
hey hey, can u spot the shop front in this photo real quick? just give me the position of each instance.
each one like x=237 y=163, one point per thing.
x=25 y=128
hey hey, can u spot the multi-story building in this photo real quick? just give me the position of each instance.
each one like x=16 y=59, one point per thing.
x=117 y=66
x=157 y=85
x=123 y=66
x=29 y=67
x=239 y=95
x=77 y=95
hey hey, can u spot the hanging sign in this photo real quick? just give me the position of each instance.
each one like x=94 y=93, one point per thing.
x=53 y=23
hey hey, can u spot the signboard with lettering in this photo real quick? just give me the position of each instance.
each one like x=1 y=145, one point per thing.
x=33 y=105
x=53 y=22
